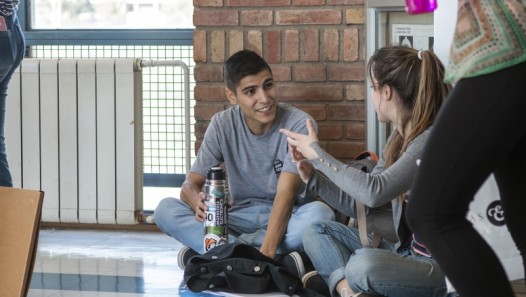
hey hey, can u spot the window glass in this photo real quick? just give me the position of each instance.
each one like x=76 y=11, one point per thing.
x=112 y=14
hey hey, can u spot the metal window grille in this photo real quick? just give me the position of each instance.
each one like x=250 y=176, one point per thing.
x=163 y=103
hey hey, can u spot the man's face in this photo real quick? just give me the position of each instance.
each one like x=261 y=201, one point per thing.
x=256 y=96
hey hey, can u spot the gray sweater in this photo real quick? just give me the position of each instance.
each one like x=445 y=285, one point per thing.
x=339 y=184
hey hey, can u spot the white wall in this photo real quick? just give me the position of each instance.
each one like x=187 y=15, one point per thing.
x=445 y=19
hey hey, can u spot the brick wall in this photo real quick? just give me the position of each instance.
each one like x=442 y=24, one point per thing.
x=316 y=51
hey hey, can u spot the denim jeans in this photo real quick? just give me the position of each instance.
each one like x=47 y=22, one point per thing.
x=12 y=46
x=247 y=224
x=337 y=253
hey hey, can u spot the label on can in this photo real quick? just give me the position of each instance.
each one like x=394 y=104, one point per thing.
x=216 y=219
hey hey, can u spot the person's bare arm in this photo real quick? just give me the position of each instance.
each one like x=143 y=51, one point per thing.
x=281 y=211
x=192 y=194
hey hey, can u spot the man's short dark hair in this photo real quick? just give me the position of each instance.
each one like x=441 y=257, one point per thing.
x=242 y=64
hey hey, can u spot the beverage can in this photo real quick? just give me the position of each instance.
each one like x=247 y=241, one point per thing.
x=420 y=6
x=216 y=227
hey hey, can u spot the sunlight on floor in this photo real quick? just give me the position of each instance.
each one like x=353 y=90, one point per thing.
x=152 y=196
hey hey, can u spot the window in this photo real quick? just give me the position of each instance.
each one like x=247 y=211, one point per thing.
x=111 y=14
x=147 y=29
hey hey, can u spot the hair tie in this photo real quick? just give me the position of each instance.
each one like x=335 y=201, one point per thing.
x=419 y=55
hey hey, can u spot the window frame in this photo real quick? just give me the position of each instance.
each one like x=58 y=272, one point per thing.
x=99 y=36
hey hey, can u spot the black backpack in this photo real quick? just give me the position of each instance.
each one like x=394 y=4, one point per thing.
x=241 y=268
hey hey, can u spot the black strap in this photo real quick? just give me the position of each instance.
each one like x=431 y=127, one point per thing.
x=241 y=268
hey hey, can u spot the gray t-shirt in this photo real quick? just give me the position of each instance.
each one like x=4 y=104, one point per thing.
x=253 y=162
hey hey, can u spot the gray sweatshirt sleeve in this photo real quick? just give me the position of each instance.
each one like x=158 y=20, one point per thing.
x=338 y=183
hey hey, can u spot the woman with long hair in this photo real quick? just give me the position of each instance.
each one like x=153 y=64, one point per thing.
x=408 y=90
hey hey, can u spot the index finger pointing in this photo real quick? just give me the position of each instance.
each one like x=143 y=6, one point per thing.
x=310 y=128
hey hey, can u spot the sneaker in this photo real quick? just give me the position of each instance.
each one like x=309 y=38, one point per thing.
x=315 y=282
x=185 y=253
x=293 y=262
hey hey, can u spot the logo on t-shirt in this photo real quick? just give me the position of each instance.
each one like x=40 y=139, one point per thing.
x=278 y=165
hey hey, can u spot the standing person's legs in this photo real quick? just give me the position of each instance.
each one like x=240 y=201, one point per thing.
x=12 y=46
x=511 y=179
x=480 y=124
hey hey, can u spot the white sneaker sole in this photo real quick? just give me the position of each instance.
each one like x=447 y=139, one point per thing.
x=180 y=257
x=300 y=267
x=307 y=276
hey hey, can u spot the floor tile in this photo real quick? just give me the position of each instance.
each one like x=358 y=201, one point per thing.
x=96 y=263
x=73 y=262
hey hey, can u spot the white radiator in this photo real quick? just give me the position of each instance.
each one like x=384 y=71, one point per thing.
x=74 y=131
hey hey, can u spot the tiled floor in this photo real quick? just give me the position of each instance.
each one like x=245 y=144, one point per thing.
x=73 y=263
x=96 y=263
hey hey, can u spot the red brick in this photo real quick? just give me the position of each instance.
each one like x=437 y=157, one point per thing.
x=331 y=44
x=355 y=91
x=259 y=3
x=295 y=51
x=330 y=131
x=281 y=72
x=200 y=129
x=199 y=46
x=213 y=92
x=317 y=111
x=345 y=150
x=292 y=43
x=311 y=45
x=311 y=92
x=308 y=17
x=256 y=18
x=324 y=144
x=355 y=15
x=309 y=72
x=307 y=2
x=273 y=46
x=350 y=45
x=208 y=73
x=345 y=2
x=206 y=111
x=346 y=72
x=217 y=46
x=208 y=3
x=235 y=41
x=346 y=112
x=355 y=131
x=197 y=145
x=255 y=42
x=216 y=18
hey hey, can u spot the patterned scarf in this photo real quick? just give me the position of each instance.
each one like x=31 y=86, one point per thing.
x=8 y=7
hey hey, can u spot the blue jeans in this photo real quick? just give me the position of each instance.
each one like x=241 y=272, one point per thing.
x=12 y=46
x=337 y=253
x=247 y=224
